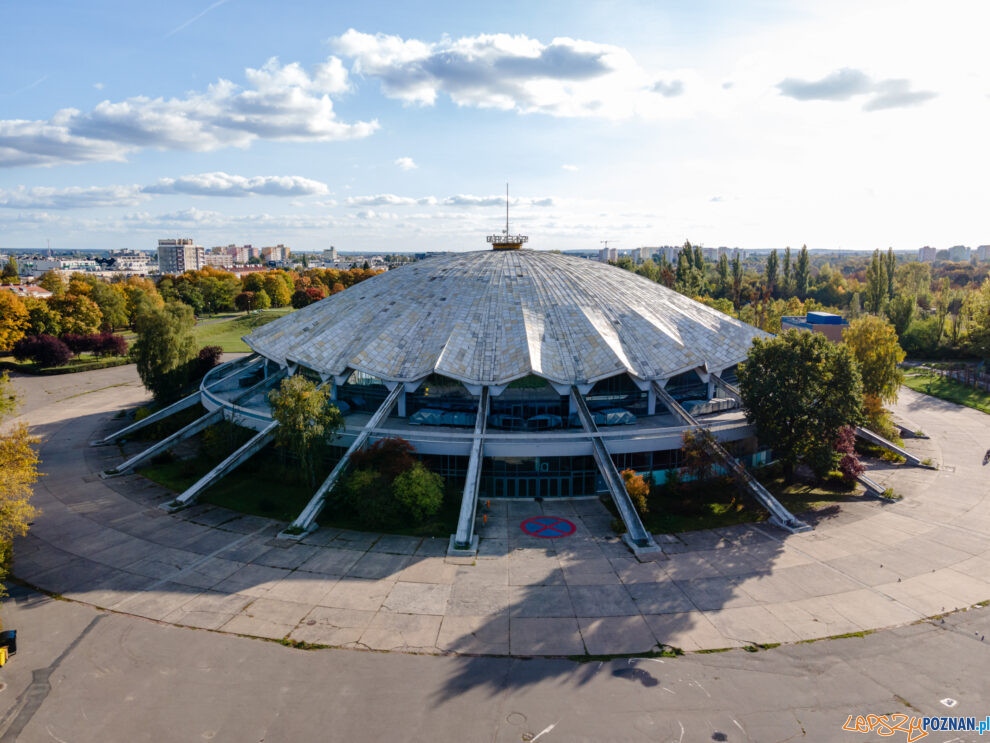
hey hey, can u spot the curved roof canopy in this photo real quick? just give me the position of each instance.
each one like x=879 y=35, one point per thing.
x=490 y=317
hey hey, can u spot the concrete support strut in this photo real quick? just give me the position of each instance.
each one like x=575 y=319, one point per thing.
x=729 y=389
x=637 y=537
x=305 y=520
x=254 y=444
x=230 y=369
x=874 y=438
x=185 y=432
x=465 y=541
x=779 y=515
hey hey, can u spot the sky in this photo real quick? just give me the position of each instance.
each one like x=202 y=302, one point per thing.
x=395 y=126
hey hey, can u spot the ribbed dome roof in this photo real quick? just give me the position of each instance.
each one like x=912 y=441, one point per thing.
x=490 y=317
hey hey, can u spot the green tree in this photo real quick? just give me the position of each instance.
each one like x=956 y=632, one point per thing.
x=890 y=267
x=873 y=342
x=9 y=274
x=419 y=491
x=18 y=472
x=42 y=319
x=802 y=273
x=855 y=306
x=53 y=282
x=112 y=303
x=876 y=284
x=165 y=345
x=723 y=275
x=307 y=421
x=785 y=288
x=900 y=311
x=277 y=289
x=770 y=276
x=737 y=280
x=799 y=389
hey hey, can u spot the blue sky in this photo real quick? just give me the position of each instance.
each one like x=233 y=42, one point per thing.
x=392 y=126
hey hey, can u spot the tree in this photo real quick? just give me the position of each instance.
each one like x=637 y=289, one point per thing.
x=737 y=279
x=279 y=291
x=799 y=389
x=770 y=277
x=9 y=273
x=849 y=464
x=855 y=307
x=164 y=346
x=80 y=314
x=890 y=267
x=307 y=420
x=876 y=284
x=802 y=273
x=53 y=282
x=261 y=300
x=723 y=274
x=18 y=472
x=244 y=301
x=14 y=319
x=786 y=288
x=638 y=490
x=419 y=491
x=42 y=319
x=112 y=302
x=900 y=311
x=300 y=299
x=873 y=342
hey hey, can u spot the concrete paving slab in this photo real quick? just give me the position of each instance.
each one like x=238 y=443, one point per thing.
x=540 y=601
x=486 y=635
x=330 y=626
x=328 y=561
x=545 y=636
x=690 y=631
x=378 y=565
x=408 y=632
x=611 y=635
x=602 y=601
x=358 y=593
x=417 y=598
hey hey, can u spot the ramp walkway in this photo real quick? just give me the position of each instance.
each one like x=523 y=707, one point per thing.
x=306 y=520
x=465 y=540
x=638 y=538
x=779 y=516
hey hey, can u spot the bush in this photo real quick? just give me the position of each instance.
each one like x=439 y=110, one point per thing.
x=108 y=344
x=78 y=343
x=44 y=350
x=419 y=491
x=207 y=358
x=638 y=490
x=849 y=464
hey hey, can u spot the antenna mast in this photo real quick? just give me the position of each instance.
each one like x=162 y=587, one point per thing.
x=507 y=241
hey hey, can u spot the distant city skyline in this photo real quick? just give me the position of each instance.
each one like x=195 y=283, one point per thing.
x=393 y=128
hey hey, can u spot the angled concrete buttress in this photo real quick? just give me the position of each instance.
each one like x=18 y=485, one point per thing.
x=779 y=516
x=191 y=429
x=234 y=367
x=464 y=541
x=254 y=444
x=304 y=521
x=637 y=537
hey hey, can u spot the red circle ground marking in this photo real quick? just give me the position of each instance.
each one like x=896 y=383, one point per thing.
x=548 y=527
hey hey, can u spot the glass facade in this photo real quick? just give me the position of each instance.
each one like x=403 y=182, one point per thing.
x=687 y=386
x=538 y=477
x=363 y=392
x=617 y=392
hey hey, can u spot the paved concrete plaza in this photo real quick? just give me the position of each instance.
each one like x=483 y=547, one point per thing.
x=867 y=565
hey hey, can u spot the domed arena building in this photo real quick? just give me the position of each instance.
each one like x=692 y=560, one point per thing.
x=519 y=373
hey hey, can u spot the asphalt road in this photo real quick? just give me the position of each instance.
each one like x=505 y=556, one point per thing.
x=84 y=675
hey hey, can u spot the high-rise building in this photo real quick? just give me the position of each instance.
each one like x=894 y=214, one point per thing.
x=278 y=252
x=608 y=254
x=178 y=255
x=333 y=253
x=958 y=253
x=983 y=253
x=927 y=254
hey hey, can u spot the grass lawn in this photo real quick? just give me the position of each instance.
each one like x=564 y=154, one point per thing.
x=719 y=504
x=947 y=389
x=227 y=332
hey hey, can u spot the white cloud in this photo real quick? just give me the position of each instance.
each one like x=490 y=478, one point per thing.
x=281 y=102
x=98 y=86
x=390 y=199
x=223 y=184
x=572 y=168
x=75 y=197
x=406 y=163
x=566 y=77
x=849 y=82
x=469 y=200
